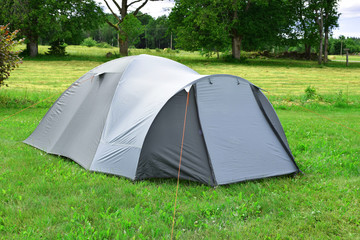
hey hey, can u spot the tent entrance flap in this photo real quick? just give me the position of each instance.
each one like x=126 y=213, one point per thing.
x=160 y=153
x=241 y=144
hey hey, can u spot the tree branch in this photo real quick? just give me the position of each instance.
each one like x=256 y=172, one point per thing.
x=138 y=9
x=113 y=13
x=133 y=3
x=113 y=25
x=117 y=5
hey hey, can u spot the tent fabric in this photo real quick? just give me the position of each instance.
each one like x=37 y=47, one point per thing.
x=241 y=144
x=125 y=116
x=160 y=154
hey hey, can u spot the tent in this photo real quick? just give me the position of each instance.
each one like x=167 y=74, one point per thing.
x=125 y=117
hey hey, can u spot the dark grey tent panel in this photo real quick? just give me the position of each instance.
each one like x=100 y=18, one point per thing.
x=161 y=151
x=125 y=117
x=240 y=142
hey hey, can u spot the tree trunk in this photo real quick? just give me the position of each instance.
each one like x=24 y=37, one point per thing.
x=32 y=48
x=236 y=46
x=326 y=45
x=123 y=47
x=321 y=33
x=307 y=51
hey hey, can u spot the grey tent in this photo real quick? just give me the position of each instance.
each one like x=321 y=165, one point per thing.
x=125 y=117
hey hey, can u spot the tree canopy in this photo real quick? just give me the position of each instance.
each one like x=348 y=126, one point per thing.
x=123 y=10
x=49 y=19
x=253 y=24
x=213 y=24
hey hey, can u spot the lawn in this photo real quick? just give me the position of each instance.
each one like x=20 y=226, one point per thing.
x=49 y=197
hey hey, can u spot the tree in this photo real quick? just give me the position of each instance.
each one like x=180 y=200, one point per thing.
x=305 y=28
x=218 y=22
x=104 y=33
x=331 y=17
x=8 y=59
x=146 y=20
x=200 y=25
x=52 y=20
x=119 y=26
x=315 y=21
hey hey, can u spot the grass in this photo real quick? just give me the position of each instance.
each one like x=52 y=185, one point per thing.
x=343 y=57
x=49 y=197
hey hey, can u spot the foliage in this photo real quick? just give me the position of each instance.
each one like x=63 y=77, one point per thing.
x=126 y=34
x=310 y=92
x=103 y=45
x=157 y=33
x=89 y=42
x=51 y=20
x=104 y=32
x=200 y=25
x=57 y=48
x=131 y=28
x=215 y=25
x=352 y=43
x=9 y=59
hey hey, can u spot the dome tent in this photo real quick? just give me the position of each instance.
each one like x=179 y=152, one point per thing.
x=125 y=117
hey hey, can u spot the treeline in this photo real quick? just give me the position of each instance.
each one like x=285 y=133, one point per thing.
x=336 y=46
x=154 y=32
x=211 y=26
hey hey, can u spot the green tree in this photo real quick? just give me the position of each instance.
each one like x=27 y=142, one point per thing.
x=331 y=17
x=216 y=22
x=132 y=28
x=315 y=20
x=145 y=20
x=56 y=21
x=9 y=59
x=123 y=11
x=158 y=33
x=201 y=25
x=104 y=33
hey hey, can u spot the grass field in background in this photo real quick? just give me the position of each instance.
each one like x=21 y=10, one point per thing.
x=343 y=57
x=49 y=197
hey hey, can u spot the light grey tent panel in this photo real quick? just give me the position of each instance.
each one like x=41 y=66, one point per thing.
x=146 y=85
x=160 y=154
x=73 y=126
x=240 y=142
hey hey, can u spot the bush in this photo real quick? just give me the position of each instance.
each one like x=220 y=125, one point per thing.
x=310 y=92
x=89 y=42
x=103 y=45
x=9 y=59
x=57 y=48
x=231 y=59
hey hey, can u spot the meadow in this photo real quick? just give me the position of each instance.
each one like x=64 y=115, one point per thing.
x=49 y=197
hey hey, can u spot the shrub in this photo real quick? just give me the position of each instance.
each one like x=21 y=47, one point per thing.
x=310 y=92
x=229 y=58
x=89 y=42
x=9 y=59
x=57 y=48
x=103 y=45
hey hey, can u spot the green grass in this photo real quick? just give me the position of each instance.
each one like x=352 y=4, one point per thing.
x=343 y=57
x=49 y=197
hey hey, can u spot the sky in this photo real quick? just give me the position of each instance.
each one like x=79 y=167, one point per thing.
x=349 y=21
